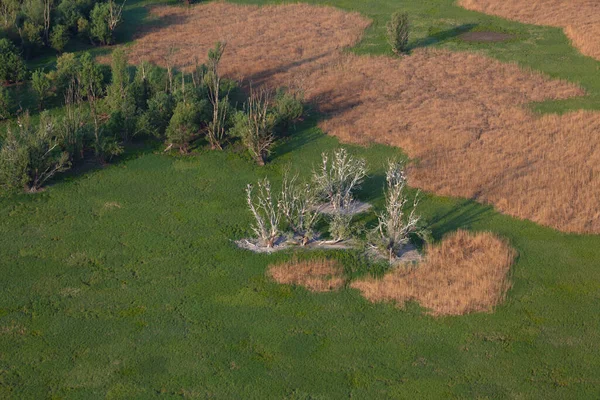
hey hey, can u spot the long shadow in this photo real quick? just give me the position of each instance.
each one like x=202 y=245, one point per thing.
x=441 y=36
x=462 y=216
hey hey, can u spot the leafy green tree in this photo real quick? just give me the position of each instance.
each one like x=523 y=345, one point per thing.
x=59 y=37
x=155 y=120
x=9 y=9
x=183 y=126
x=104 y=19
x=288 y=108
x=30 y=155
x=66 y=77
x=41 y=84
x=12 y=66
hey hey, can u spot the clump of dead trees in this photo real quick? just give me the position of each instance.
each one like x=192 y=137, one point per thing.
x=289 y=217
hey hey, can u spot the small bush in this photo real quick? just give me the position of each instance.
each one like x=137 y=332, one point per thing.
x=397 y=32
x=288 y=108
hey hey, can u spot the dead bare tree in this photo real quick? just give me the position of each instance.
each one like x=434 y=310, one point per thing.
x=395 y=225
x=298 y=204
x=47 y=16
x=115 y=14
x=216 y=128
x=265 y=211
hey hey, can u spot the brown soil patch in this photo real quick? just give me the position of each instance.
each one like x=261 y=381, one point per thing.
x=485 y=37
x=461 y=114
x=315 y=275
x=579 y=18
x=465 y=273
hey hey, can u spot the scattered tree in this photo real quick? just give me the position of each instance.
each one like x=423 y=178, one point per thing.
x=183 y=126
x=105 y=17
x=287 y=107
x=397 y=32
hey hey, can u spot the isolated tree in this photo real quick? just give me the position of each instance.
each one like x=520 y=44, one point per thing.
x=59 y=37
x=31 y=155
x=398 y=29
x=216 y=127
x=255 y=125
x=298 y=205
x=288 y=108
x=395 y=224
x=12 y=66
x=41 y=85
x=265 y=211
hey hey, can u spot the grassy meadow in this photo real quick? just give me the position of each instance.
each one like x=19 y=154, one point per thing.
x=124 y=282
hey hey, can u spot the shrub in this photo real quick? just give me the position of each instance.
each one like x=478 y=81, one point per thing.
x=31 y=155
x=255 y=126
x=395 y=225
x=397 y=32
x=73 y=131
x=4 y=103
x=287 y=107
x=12 y=66
x=59 y=37
x=41 y=84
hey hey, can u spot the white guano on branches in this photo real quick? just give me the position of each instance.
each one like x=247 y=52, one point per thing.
x=265 y=211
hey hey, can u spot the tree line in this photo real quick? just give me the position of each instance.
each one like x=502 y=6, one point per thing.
x=103 y=111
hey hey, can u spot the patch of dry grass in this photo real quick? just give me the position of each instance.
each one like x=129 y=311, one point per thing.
x=465 y=273
x=461 y=115
x=579 y=18
x=315 y=275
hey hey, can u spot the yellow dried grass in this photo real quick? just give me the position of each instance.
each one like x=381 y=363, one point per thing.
x=465 y=273
x=461 y=115
x=579 y=18
x=315 y=275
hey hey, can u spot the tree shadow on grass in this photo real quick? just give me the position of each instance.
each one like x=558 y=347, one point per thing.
x=461 y=216
x=435 y=37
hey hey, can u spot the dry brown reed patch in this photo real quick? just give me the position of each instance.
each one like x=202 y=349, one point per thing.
x=465 y=273
x=262 y=42
x=315 y=275
x=462 y=115
x=579 y=18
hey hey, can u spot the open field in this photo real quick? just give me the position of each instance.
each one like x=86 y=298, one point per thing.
x=124 y=281
x=464 y=273
x=462 y=116
x=579 y=18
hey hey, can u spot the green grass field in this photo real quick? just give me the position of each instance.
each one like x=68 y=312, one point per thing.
x=123 y=282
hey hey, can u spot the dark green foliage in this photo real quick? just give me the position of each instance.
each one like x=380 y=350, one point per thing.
x=12 y=66
x=5 y=103
x=288 y=108
x=74 y=132
x=104 y=19
x=30 y=155
x=184 y=125
x=398 y=29
x=59 y=37
x=156 y=118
